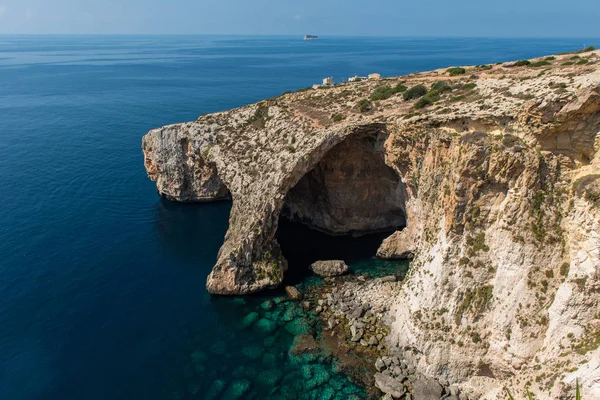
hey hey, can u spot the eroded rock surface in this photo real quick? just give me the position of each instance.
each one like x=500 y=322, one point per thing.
x=497 y=184
x=329 y=268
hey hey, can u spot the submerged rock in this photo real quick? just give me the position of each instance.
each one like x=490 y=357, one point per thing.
x=252 y=352
x=298 y=326
x=265 y=326
x=267 y=305
x=270 y=377
x=193 y=389
x=237 y=389
x=269 y=359
x=319 y=376
x=329 y=268
x=198 y=357
x=215 y=389
x=303 y=344
x=218 y=348
x=250 y=319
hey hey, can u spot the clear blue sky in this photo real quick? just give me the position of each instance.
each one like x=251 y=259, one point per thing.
x=529 y=18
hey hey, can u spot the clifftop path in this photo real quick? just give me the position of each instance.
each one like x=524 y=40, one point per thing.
x=493 y=173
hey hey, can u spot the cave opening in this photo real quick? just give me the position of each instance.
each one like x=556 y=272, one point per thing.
x=344 y=207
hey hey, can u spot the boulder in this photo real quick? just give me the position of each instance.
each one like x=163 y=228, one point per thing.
x=357 y=334
x=379 y=365
x=332 y=323
x=399 y=246
x=426 y=388
x=329 y=268
x=391 y=386
x=293 y=293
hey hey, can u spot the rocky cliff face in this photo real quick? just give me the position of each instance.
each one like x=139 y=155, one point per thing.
x=497 y=184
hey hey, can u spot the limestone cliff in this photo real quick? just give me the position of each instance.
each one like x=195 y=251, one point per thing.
x=494 y=176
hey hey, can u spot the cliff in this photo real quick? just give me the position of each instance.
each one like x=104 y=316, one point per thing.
x=492 y=180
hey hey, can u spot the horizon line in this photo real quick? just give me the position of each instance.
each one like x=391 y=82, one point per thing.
x=301 y=35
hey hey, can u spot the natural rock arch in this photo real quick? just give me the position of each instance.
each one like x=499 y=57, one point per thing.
x=325 y=186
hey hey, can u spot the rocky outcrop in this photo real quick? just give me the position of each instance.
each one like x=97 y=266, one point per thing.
x=496 y=184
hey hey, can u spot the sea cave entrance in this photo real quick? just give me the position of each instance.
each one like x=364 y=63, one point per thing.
x=344 y=207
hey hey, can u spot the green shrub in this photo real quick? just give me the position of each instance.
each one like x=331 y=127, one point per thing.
x=587 y=49
x=582 y=61
x=484 y=67
x=476 y=300
x=564 y=269
x=469 y=86
x=551 y=58
x=530 y=396
x=588 y=187
x=415 y=92
x=423 y=102
x=441 y=87
x=260 y=117
x=400 y=88
x=538 y=64
x=385 y=92
x=382 y=93
x=337 y=117
x=522 y=63
x=569 y=63
x=456 y=71
x=364 y=105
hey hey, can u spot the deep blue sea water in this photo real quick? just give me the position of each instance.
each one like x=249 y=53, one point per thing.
x=101 y=281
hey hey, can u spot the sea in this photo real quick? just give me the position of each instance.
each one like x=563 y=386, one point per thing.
x=102 y=282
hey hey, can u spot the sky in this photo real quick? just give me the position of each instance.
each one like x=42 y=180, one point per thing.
x=481 y=18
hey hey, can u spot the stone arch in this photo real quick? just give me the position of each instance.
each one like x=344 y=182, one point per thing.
x=324 y=187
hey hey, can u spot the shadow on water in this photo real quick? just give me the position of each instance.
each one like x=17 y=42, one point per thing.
x=302 y=246
x=192 y=233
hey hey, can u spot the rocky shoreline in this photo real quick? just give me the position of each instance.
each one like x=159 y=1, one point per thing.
x=352 y=310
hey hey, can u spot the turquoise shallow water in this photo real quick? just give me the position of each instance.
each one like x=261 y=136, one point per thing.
x=101 y=281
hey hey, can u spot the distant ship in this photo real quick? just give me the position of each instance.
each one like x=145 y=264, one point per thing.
x=311 y=37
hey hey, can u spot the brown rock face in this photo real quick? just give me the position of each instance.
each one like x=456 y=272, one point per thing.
x=350 y=191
